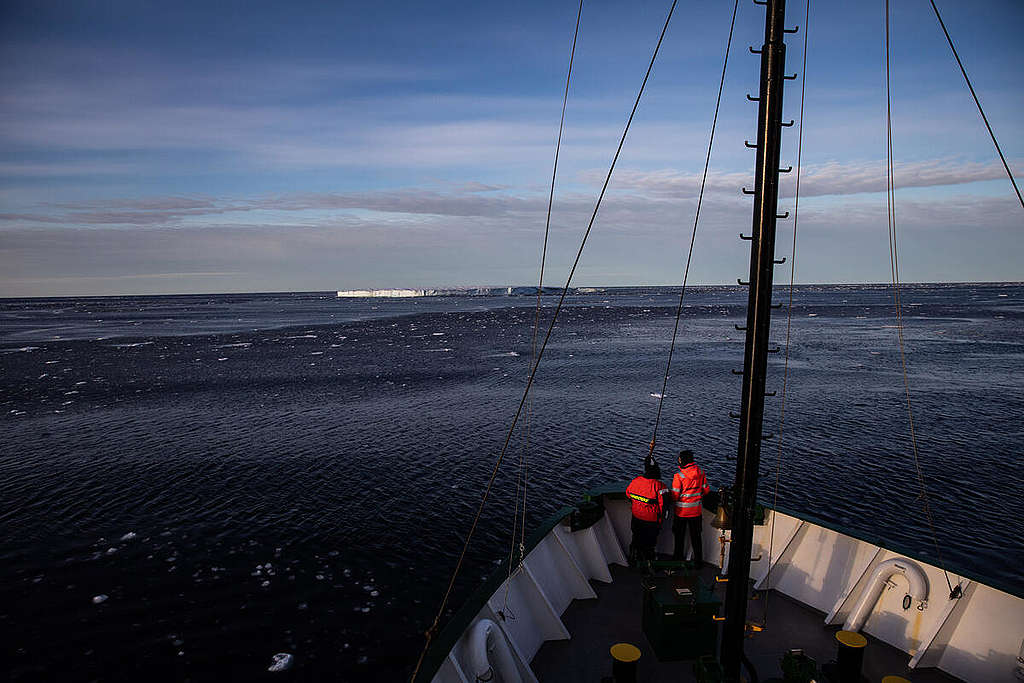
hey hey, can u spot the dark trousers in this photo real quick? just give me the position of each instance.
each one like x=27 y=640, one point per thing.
x=680 y=525
x=645 y=537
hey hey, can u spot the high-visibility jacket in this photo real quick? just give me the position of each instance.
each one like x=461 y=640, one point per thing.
x=688 y=485
x=646 y=497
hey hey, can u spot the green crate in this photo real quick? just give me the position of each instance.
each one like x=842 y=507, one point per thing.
x=677 y=617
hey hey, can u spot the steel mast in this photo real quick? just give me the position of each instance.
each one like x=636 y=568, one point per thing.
x=755 y=356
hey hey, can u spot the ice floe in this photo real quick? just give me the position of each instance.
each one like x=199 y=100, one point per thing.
x=100 y=599
x=282 y=661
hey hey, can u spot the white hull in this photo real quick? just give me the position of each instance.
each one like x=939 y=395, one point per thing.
x=976 y=638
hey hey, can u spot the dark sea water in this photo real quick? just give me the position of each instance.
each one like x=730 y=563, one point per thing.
x=243 y=475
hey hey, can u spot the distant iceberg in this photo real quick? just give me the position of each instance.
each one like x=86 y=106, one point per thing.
x=451 y=291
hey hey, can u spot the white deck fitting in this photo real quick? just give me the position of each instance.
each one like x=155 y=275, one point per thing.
x=976 y=638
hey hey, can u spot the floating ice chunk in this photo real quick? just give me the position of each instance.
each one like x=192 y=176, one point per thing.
x=656 y=395
x=222 y=359
x=100 y=599
x=265 y=584
x=363 y=659
x=374 y=594
x=282 y=661
x=111 y=551
x=303 y=605
x=365 y=610
x=129 y=536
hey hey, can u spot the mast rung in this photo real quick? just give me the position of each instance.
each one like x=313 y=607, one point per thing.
x=769 y=435
x=780 y=261
x=737 y=372
x=753 y=99
x=734 y=416
x=746 y=143
x=791 y=30
x=746 y=191
x=782 y=215
x=741 y=282
x=790 y=77
x=776 y=306
x=788 y=125
x=745 y=237
x=775 y=350
x=788 y=169
x=760 y=2
x=740 y=328
x=753 y=51
x=769 y=394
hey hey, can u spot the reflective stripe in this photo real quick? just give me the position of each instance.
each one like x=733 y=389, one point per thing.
x=675 y=490
x=688 y=505
x=643 y=499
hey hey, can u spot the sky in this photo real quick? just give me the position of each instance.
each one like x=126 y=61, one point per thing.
x=194 y=147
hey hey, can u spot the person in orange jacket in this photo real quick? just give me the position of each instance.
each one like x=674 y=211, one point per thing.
x=688 y=487
x=650 y=499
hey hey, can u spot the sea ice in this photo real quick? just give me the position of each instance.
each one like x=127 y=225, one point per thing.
x=129 y=536
x=99 y=599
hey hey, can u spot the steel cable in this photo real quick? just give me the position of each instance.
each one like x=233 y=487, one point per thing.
x=693 y=235
x=977 y=102
x=522 y=479
x=533 y=373
x=894 y=267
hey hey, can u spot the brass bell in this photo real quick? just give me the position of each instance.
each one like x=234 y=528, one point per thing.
x=721 y=520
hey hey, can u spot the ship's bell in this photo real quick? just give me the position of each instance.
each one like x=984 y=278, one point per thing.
x=721 y=520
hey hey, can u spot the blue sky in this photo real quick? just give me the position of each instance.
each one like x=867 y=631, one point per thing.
x=152 y=147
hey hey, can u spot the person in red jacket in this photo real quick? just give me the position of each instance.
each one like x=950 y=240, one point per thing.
x=649 y=499
x=688 y=487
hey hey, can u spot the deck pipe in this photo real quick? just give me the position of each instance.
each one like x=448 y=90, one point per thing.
x=877 y=582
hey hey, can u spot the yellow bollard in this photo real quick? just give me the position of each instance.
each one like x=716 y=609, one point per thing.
x=624 y=661
x=850 y=657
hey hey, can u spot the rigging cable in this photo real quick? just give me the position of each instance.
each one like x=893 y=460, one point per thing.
x=521 y=480
x=984 y=118
x=789 y=316
x=693 y=235
x=540 y=354
x=895 y=273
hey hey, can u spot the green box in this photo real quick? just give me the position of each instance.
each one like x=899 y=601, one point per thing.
x=677 y=617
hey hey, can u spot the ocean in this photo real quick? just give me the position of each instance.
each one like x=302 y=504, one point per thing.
x=190 y=485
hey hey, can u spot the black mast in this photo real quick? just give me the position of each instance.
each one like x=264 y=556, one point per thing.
x=755 y=356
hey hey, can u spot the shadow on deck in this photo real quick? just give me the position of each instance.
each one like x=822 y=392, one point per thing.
x=615 y=617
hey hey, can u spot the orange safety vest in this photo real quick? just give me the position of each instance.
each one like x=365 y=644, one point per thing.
x=645 y=496
x=688 y=485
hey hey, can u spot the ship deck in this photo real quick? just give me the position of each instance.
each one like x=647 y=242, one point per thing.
x=615 y=617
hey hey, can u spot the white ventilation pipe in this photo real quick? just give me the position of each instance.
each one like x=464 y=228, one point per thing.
x=485 y=640
x=877 y=583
